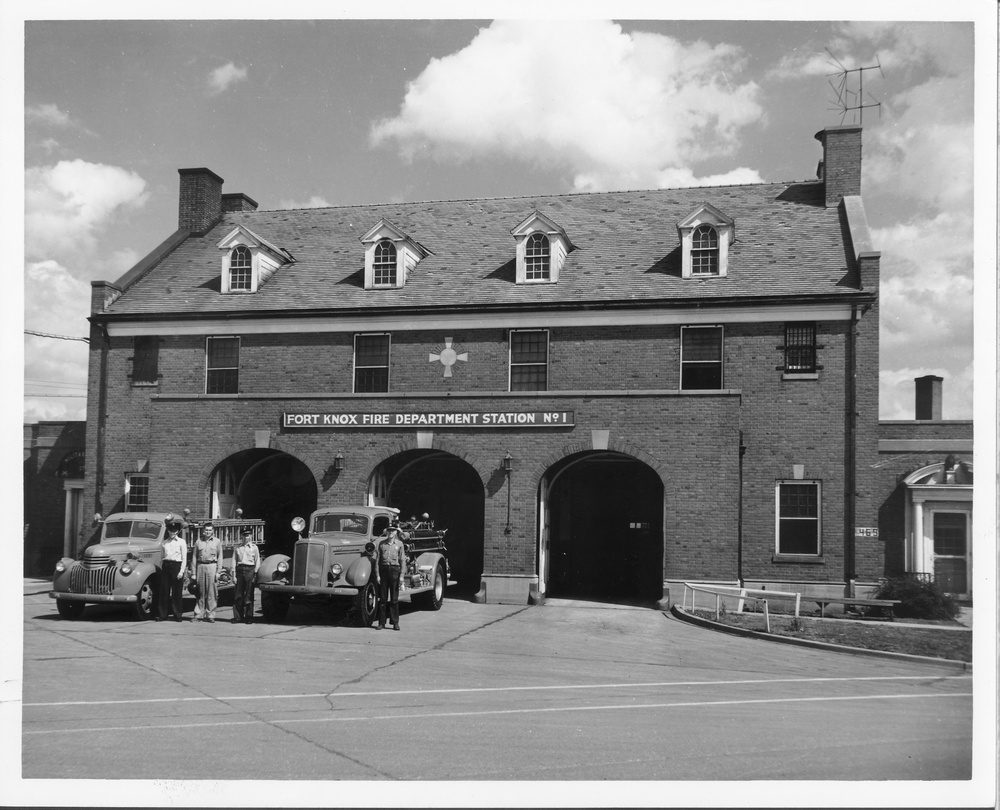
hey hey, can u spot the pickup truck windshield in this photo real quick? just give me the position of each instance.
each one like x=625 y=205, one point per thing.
x=356 y=524
x=139 y=529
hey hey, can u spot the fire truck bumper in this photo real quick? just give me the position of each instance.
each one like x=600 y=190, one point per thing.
x=305 y=590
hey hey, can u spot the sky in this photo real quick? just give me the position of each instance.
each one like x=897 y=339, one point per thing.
x=323 y=112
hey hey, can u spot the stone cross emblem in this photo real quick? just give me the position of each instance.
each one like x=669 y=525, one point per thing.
x=448 y=357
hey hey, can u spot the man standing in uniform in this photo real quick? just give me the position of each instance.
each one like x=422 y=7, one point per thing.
x=207 y=555
x=390 y=565
x=246 y=560
x=172 y=571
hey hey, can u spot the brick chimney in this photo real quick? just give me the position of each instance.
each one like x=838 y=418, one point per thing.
x=200 y=200
x=928 y=400
x=840 y=169
x=238 y=202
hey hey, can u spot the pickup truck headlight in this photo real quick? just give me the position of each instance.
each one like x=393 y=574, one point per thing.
x=60 y=567
x=282 y=567
x=336 y=569
x=126 y=568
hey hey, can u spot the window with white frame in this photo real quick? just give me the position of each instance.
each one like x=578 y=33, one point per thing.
x=701 y=358
x=136 y=492
x=529 y=360
x=222 y=365
x=371 y=363
x=705 y=251
x=536 y=257
x=240 y=269
x=384 y=264
x=798 y=518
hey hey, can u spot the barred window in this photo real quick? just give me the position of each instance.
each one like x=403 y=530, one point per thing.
x=384 y=265
x=536 y=258
x=705 y=251
x=798 y=521
x=701 y=358
x=800 y=348
x=371 y=363
x=145 y=354
x=136 y=492
x=240 y=268
x=529 y=360
x=222 y=374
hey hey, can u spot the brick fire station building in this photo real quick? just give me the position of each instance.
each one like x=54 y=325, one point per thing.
x=599 y=395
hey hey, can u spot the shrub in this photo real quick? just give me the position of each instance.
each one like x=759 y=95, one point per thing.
x=918 y=599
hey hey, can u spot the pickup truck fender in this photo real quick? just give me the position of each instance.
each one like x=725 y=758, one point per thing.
x=141 y=571
x=359 y=572
x=268 y=571
x=60 y=582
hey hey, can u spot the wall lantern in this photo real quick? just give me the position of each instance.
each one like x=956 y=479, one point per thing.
x=508 y=464
x=338 y=462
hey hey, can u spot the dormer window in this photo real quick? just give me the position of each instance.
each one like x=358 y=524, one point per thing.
x=706 y=235
x=248 y=261
x=705 y=251
x=240 y=269
x=542 y=247
x=384 y=264
x=390 y=256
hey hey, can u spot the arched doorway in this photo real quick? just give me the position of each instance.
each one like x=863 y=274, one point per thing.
x=267 y=485
x=447 y=489
x=601 y=533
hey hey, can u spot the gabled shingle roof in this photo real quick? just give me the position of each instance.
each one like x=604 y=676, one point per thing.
x=627 y=251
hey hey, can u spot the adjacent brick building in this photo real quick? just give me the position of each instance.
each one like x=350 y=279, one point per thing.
x=599 y=395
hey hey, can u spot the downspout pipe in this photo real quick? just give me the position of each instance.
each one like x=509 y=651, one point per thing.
x=850 y=455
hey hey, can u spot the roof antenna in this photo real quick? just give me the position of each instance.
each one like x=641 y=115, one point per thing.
x=851 y=100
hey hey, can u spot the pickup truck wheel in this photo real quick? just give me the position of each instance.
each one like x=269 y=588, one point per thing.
x=145 y=602
x=274 y=608
x=70 y=610
x=366 y=604
x=435 y=597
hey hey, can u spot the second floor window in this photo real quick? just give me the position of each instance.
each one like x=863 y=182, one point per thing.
x=384 y=265
x=800 y=348
x=145 y=352
x=529 y=360
x=222 y=375
x=536 y=258
x=371 y=364
x=136 y=492
x=705 y=251
x=240 y=268
x=701 y=357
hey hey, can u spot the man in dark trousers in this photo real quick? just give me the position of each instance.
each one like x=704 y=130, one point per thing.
x=172 y=571
x=246 y=562
x=391 y=556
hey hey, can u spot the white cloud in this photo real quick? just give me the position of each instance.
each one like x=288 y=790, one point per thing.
x=48 y=114
x=617 y=110
x=222 y=78
x=313 y=202
x=69 y=203
x=55 y=303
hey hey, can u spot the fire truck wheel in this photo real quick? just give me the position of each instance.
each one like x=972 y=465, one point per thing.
x=69 y=610
x=145 y=602
x=366 y=604
x=435 y=597
x=274 y=608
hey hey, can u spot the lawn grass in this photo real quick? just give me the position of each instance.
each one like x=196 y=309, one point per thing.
x=898 y=636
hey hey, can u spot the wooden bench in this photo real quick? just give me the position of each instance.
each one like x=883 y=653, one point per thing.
x=823 y=601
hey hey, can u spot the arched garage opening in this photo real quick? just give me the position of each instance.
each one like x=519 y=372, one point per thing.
x=451 y=492
x=601 y=536
x=267 y=485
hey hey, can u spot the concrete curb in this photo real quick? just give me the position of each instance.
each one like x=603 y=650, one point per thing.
x=684 y=616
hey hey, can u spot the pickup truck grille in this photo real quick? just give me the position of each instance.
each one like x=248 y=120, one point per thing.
x=96 y=575
x=309 y=567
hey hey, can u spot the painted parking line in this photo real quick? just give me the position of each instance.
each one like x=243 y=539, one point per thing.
x=501 y=689
x=396 y=716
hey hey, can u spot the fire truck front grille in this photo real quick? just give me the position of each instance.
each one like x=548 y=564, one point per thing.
x=96 y=575
x=309 y=566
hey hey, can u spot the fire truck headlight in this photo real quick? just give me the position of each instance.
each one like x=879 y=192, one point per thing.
x=282 y=567
x=126 y=568
x=60 y=567
x=336 y=569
